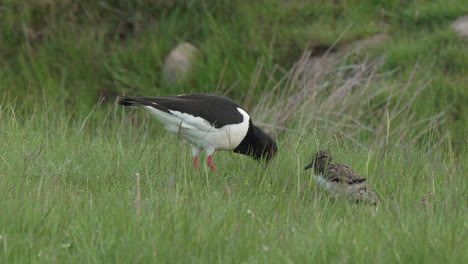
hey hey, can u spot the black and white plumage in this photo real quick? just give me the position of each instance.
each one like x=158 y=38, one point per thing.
x=208 y=122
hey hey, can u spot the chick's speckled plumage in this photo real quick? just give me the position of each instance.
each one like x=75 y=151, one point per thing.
x=340 y=179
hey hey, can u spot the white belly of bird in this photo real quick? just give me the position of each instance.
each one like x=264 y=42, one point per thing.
x=337 y=188
x=201 y=133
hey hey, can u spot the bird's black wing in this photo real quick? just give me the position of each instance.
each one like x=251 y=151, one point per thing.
x=217 y=110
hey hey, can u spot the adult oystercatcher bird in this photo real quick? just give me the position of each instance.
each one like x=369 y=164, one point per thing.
x=208 y=122
x=340 y=179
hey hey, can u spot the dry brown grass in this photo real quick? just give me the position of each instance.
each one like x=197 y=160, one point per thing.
x=352 y=100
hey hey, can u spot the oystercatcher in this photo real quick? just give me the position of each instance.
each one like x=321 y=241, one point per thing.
x=340 y=179
x=208 y=122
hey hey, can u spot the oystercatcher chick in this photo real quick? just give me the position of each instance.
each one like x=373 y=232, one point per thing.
x=208 y=122
x=340 y=179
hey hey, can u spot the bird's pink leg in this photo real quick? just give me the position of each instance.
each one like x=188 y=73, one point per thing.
x=209 y=161
x=195 y=162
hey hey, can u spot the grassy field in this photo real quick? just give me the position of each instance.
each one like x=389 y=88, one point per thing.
x=394 y=112
x=69 y=195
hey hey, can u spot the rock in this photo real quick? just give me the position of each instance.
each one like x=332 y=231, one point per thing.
x=317 y=65
x=461 y=26
x=180 y=62
x=325 y=57
x=371 y=41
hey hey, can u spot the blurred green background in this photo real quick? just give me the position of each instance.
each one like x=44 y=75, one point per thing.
x=74 y=52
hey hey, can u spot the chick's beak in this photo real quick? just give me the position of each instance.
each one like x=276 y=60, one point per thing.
x=308 y=166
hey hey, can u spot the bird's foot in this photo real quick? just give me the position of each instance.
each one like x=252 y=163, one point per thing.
x=209 y=161
x=195 y=162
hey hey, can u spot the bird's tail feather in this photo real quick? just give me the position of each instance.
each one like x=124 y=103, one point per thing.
x=132 y=101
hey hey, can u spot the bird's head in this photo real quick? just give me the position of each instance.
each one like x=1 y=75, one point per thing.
x=264 y=147
x=259 y=145
x=320 y=162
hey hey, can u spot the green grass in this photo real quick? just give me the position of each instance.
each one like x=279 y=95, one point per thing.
x=67 y=160
x=76 y=53
x=68 y=194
